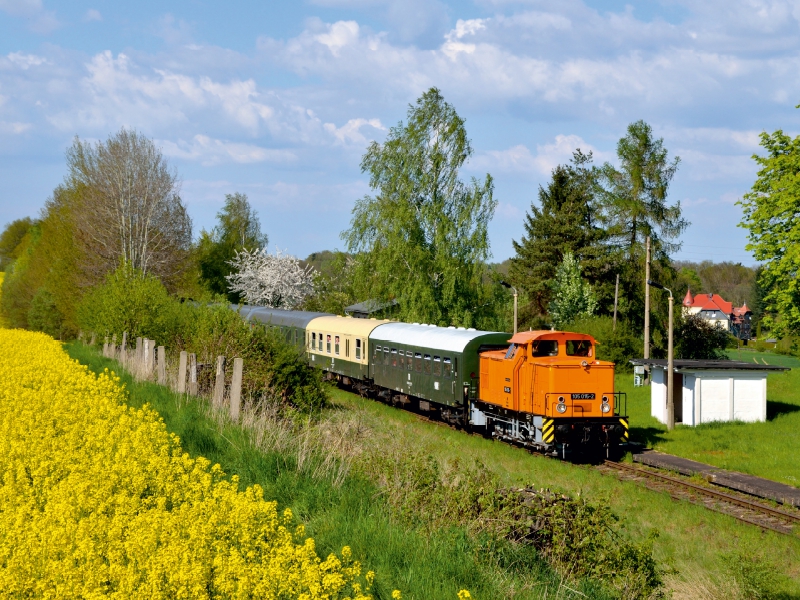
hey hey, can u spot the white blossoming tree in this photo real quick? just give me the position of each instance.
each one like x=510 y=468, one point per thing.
x=275 y=280
x=572 y=296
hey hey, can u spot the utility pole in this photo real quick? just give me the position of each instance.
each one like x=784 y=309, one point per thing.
x=511 y=287
x=647 y=310
x=616 y=299
x=670 y=361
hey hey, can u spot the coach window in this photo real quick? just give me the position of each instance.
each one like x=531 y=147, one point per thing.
x=358 y=349
x=409 y=360
x=401 y=359
x=579 y=348
x=313 y=341
x=448 y=367
x=385 y=355
x=347 y=347
x=545 y=348
x=394 y=357
x=427 y=364
x=418 y=362
x=437 y=366
x=328 y=343
x=319 y=337
x=336 y=345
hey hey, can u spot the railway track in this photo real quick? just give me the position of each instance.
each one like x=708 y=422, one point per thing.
x=733 y=504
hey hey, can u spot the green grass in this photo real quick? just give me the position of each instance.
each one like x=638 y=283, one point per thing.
x=768 y=449
x=423 y=564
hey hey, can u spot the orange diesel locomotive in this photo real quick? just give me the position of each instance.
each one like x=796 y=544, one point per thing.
x=549 y=392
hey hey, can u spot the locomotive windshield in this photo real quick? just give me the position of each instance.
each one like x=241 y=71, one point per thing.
x=579 y=348
x=545 y=348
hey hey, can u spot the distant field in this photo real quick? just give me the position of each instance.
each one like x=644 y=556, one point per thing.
x=767 y=449
x=768 y=357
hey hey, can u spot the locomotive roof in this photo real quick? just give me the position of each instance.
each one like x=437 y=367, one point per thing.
x=526 y=337
x=430 y=336
x=276 y=316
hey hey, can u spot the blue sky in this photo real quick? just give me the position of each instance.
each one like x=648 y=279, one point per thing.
x=279 y=100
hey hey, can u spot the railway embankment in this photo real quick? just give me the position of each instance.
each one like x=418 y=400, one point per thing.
x=403 y=491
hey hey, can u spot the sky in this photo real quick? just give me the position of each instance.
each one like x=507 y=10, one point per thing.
x=279 y=100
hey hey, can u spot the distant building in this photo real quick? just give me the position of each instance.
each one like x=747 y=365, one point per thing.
x=718 y=312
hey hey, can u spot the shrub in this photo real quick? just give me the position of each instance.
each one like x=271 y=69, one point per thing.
x=696 y=338
x=44 y=316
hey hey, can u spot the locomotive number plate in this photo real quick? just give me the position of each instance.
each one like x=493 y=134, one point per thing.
x=582 y=396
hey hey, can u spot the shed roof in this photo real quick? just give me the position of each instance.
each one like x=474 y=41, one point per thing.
x=430 y=336
x=276 y=316
x=707 y=365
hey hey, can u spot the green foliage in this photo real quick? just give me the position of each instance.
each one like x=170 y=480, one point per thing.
x=334 y=279
x=575 y=537
x=696 y=338
x=422 y=239
x=565 y=222
x=618 y=345
x=133 y=302
x=755 y=577
x=770 y=214
x=10 y=241
x=573 y=297
x=44 y=316
x=238 y=229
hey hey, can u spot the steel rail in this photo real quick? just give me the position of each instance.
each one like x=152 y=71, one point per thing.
x=728 y=498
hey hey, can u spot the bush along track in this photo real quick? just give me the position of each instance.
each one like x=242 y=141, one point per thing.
x=487 y=537
x=98 y=499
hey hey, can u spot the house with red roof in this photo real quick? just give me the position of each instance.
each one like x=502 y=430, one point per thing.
x=717 y=311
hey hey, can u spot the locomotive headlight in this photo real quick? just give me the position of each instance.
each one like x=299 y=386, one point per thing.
x=605 y=407
x=561 y=407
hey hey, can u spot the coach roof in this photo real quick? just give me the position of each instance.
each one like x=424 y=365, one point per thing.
x=430 y=336
x=275 y=316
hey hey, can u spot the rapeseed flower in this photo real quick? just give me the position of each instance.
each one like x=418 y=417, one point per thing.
x=98 y=499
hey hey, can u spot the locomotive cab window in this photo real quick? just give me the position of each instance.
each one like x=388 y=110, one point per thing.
x=358 y=349
x=545 y=348
x=448 y=367
x=437 y=366
x=512 y=349
x=579 y=348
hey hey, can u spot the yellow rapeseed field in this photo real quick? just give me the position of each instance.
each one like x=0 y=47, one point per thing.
x=98 y=500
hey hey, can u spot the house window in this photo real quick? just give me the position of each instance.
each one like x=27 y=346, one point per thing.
x=427 y=364
x=437 y=366
x=358 y=349
x=418 y=362
x=336 y=345
x=328 y=343
x=448 y=367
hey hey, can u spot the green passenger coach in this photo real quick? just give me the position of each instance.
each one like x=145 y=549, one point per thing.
x=430 y=363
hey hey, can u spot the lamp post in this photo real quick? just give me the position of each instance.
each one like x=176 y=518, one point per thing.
x=670 y=403
x=511 y=287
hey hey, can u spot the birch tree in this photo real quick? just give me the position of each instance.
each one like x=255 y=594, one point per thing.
x=573 y=298
x=275 y=280
x=130 y=212
x=422 y=238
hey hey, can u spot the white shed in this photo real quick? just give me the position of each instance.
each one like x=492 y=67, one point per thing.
x=710 y=390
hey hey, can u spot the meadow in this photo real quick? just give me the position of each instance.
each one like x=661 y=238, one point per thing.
x=768 y=449
x=701 y=554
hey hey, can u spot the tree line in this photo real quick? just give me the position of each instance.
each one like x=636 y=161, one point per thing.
x=419 y=241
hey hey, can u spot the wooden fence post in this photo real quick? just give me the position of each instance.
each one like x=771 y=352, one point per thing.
x=219 y=383
x=236 y=388
x=193 y=374
x=123 y=349
x=162 y=366
x=138 y=356
x=114 y=346
x=147 y=363
x=92 y=341
x=105 y=346
x=182 y=373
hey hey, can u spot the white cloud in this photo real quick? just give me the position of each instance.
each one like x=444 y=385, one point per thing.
x=24 y=61
x=209 y=152
x=92 y=15
x=39 y=20
x=14 y=127
x=350 y=132
x=519 y=159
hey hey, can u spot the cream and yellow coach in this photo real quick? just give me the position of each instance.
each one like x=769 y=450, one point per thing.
x=340 y=345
